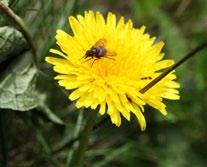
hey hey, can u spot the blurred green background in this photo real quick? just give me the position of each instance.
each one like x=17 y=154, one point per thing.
x=38 y=121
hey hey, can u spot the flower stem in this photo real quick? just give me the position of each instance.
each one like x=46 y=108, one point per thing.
x=173 y=67
x=75 y=139
x=78 y=155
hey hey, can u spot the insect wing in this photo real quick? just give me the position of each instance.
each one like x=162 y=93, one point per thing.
x=110 y=53
x=100 y=43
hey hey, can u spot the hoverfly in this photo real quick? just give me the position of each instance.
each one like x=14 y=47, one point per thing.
x=98 y=51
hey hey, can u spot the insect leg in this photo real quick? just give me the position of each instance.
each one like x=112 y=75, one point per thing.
x=93 y=62
x=109 y=57
x=88 y=59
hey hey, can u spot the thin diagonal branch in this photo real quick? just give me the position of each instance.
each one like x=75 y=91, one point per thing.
x=20 y=25
x=173 y=67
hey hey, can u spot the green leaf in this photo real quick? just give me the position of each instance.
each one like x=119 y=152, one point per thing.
x=17 y=85
x=12 y=43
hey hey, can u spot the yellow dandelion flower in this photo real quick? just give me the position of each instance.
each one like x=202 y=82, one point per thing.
x=107 y=62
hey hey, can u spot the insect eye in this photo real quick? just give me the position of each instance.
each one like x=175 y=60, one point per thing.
x=87 y=52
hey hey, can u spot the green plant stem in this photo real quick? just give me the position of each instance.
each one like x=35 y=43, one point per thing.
x=21 y=26
x=78 y=155
x=173 y=67
x=3 y=143
x=75 y=139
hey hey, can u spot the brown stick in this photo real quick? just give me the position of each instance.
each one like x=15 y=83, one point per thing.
x=173 y=67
